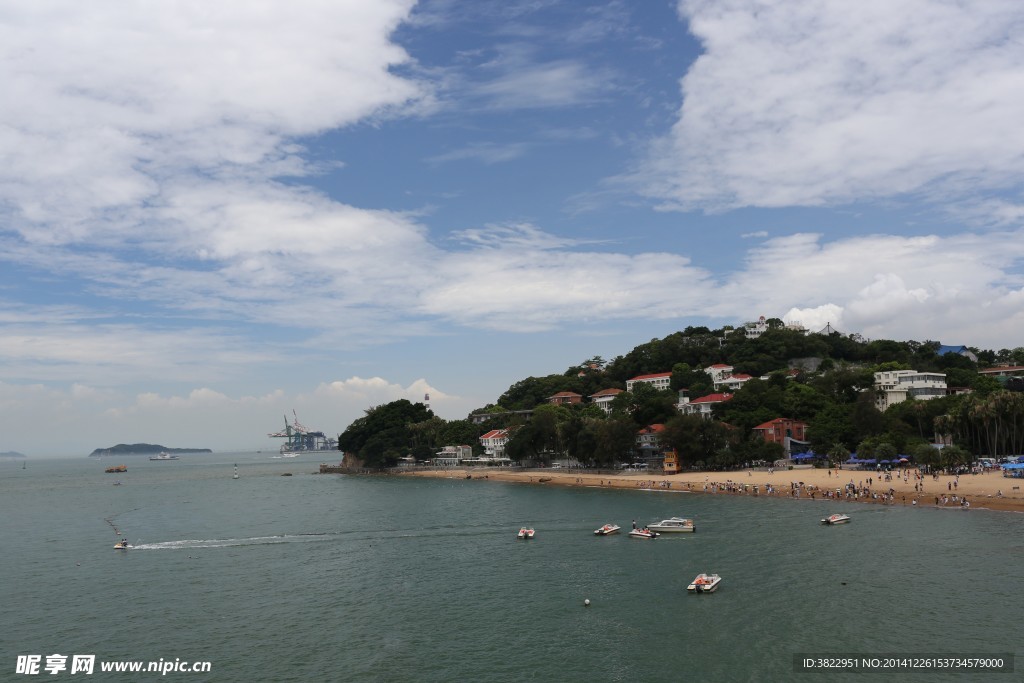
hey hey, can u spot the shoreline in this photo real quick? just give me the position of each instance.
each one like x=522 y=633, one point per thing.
x=980 y=490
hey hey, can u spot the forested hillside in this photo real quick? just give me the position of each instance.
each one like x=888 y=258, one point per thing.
x=824 y=380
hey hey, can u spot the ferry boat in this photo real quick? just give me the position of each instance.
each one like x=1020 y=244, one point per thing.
x=163 y=456
x=704 y=583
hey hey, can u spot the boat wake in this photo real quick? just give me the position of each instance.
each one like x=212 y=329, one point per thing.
x=198 y=543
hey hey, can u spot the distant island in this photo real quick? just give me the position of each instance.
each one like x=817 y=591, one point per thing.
x=143 y=449
x=11 y=455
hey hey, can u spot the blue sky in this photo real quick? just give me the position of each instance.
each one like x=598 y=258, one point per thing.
x=212 y=214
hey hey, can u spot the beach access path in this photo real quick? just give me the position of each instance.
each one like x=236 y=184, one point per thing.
x=981 y=490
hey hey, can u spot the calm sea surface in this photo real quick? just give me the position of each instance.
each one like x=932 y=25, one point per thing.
x=339 y=578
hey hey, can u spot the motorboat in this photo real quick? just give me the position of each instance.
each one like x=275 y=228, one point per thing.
x=163 y=456
x=122 y=546
x=606 y=530
x=704 y=583
x=643 y=533
x=836 y=519
x=525 y=534
x=675 y=525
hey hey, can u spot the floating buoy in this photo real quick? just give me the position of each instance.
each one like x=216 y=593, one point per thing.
x=586 y=602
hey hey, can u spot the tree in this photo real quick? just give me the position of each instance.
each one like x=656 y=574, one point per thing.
x=384 y=433
x=695 y=438
x=832 y=425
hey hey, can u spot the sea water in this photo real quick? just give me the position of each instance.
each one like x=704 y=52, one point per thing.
x=372 y=578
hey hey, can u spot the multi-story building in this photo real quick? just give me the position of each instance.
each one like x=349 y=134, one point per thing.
x=565 y=398
x=755 y=330
x=494 y=442
x=659 y=380
x=603 y=399
x=896 y=386
x=719 y=372
x=647 y=438
x=702 y=406
x=453 y=455
x=733 y=382
x=784 y=431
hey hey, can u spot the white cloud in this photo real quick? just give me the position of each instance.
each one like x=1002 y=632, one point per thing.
x=484 y=152
x=820 y=103
x=108 y=103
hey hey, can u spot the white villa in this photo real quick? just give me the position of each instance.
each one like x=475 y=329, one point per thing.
x=603 y=399
x=723 y=377
x=659 y=380
x=494 y=442
x=700 y=406
x=896 y=386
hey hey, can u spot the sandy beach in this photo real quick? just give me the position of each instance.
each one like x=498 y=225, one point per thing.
x=981 y=490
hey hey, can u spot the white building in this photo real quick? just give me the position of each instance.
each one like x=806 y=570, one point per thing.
x=494 y=442
x=732 y=382
x=603 y=399
x=659 y=380
x=719 y=372
x=755 y=330
x=896 y=386
x=701 y=406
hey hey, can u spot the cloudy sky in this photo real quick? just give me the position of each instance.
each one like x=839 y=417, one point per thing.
x=212 y=214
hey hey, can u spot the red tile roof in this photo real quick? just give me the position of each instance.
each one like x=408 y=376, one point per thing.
x=494 y=434
x=721 y=365
x=607 y=392
x=712 y=398
x=770 y=424
x=654 y=376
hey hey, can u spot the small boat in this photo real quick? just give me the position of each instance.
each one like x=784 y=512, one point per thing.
x=643 y=533
x=606 y=530
x=525 y=534
x=704 y=583
x=163 y=456
x=675 y=525
x=836 y=519
x=116 y=468
x=122 y=546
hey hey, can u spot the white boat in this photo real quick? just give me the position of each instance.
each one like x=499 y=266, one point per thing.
x=643 y=533
x=836 y=519
x=675 y=525
x=525 y=534
x=163 y=456
x=704 y=583
x=606 y=530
